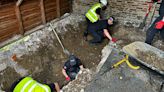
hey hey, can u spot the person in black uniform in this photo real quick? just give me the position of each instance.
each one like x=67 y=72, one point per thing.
x=72 y=67
x=99 y=31
x=157 y=26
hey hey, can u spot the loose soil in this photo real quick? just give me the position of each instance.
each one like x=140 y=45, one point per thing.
x=49 y=60
x=151 y=58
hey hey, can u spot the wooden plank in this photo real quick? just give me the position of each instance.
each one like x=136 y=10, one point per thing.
x=32 y=21
x=29 y=4
x=30 y=11
x=50 y=10
x=7 y=36
x=31 y=16
x=7 y=24
x=19 y=17
x=33 y=25
x=50 y=4
x=8 y=30
x=42 y=11
x=58 y=7
x=51 y=15
x=7 y=16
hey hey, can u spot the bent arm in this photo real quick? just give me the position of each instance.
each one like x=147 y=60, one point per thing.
x=57 y=87
x=107 y=34
x=64 y=73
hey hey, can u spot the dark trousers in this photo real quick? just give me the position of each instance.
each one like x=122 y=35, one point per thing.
x=97 y=34
x=88 y=24
x=152 y=31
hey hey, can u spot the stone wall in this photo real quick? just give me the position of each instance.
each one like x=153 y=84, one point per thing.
x=127 y=12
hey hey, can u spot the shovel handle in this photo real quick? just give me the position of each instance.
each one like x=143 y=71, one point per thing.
x=54 y=31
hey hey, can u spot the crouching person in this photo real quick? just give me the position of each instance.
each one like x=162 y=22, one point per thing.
x=72 y=67
x=27 y=84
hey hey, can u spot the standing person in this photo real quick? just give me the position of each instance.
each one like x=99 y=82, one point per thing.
x=72 y=67
x=99 y=30
x=93 y=14
x=157 y=26
x=27 y=84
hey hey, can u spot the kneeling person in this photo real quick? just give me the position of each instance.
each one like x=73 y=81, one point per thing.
x=71 y=68
x=99 y=30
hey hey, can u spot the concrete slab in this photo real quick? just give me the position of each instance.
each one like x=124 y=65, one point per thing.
x=121 y=79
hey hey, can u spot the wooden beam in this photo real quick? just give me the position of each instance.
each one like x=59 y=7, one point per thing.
x=19 y=18
x=42 y=11
x=19 y=2
x=58 y=7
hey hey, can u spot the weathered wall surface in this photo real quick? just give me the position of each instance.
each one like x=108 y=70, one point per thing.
x=36 y=54
x=128 y=12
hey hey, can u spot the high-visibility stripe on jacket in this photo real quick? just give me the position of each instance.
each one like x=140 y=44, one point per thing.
x=91 y=14
x=29 y=85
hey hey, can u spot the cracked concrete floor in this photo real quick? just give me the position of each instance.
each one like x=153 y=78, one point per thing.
x=124 y=79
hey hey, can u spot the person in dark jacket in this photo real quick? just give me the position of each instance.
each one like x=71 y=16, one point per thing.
x=157 y=26
x=94 y=14
x=99 y=31
x=72 y=67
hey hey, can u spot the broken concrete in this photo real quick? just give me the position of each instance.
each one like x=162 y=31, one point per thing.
x=82 y=80
x=123 y=78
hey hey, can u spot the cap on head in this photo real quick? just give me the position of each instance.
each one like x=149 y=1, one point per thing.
x=72 y=60
x=104 y=2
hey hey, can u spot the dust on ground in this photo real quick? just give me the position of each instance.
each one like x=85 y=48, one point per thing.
x=151 y=58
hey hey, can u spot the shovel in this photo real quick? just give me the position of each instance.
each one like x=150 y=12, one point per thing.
x=61 y=44
x=146 y=16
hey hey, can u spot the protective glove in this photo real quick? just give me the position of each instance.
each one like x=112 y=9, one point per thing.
x=114 y=40
x=68 y=78
x=159 y=25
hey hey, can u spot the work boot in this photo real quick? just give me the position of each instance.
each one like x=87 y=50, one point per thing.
x=93 y=43
x=85 y=36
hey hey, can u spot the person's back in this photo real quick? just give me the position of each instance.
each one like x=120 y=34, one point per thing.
x=27 y=84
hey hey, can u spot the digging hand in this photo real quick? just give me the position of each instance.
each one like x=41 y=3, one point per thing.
x=114 y=40
x=159 y=25
x=68 y=78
